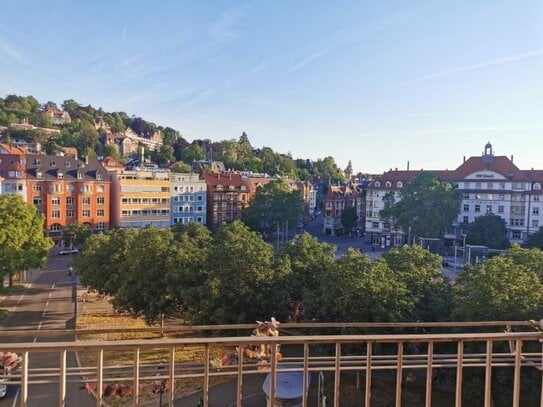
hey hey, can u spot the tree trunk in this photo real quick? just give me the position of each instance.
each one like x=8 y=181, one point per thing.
x=10 y=284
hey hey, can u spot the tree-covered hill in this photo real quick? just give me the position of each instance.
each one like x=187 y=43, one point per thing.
x=88 y=124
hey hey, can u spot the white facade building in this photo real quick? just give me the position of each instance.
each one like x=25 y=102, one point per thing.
x=490 y=184
x=189 y=199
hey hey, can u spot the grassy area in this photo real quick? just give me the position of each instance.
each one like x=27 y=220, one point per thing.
x=147 y=356
x=15 y=289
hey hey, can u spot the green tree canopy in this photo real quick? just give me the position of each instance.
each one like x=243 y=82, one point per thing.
x=497 y=289
x=309 y=261
x=359 y=290
x=536 y=239
x=22 y=242
x=272 y=205
x=488 y=230
x=420 y=270
x=76 y=234
x=243 y=279
x=426 y=205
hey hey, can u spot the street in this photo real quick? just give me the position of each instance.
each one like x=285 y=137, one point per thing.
x=45 y=304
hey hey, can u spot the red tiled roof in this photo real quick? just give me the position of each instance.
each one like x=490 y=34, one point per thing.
x=227 y=179
x=12 y=149
x=500 y=164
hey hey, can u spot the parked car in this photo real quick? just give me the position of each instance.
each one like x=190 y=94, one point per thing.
x=68 y=251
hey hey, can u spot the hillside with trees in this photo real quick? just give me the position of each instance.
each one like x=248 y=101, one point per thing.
x=88 y=124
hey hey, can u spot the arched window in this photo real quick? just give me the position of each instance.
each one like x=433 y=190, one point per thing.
x=377 y=184
x=388 y=184
x=399 y=184
x=55 y=227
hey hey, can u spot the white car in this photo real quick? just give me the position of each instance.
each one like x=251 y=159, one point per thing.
x=3 y=387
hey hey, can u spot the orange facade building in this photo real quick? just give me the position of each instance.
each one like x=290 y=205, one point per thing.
x=64 y=189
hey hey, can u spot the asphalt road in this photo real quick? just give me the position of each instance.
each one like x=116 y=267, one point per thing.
x=45 y=304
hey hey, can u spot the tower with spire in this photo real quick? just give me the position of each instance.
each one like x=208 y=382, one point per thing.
x=348 y=171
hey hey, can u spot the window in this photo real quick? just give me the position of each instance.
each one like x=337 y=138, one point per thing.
x=537 y=186
x=535 y=210
x=60 y=175
x=100 y=212
x=200 y=197
x=502 y=185
x=125 y=201
x=100 y=189
x=515 y=234
x=86 y=200
x=535 y=223
x=465 y=220
x=377 y=184
x=85 y=188
x=489 y=209
x=388 y=184
x=55 y=214
x=399 y=184
x=466 y=208
x=55 y=227
x=489 y=185
x=55 y=188
x=466 y=196
x=100 y=200
x=500 y=209
x=86 y=213
x=55 y=201
x=69 y=187
x=70 y=213
x=536 y=198
x=477 y=208
x=477 y=185
x=199 y=209
x=375 y=224
x=125 y=213
x=37 y=187
x=37 y=200
x=467 y=185
x=70 y=200
x=517 y=222
x=165 y=189
x=199 y=219
x=101 y=226
x=502 y=197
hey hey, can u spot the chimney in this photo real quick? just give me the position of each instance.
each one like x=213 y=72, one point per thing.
x=407 y=165
x=464 y=158
x=396 y=169
x=511 y=157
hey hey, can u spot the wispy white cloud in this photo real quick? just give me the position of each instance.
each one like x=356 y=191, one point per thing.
x=468 y=68
x=10 y=51
x=319 y=53
x=223 y=29
x=123 y=34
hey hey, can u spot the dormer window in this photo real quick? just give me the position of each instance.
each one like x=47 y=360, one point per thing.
x=399 y=184
x=231 y=187
x=52 y=163
x=37 y=161
x=219 y=187
x=243 y=188
x=60 y=175
x=79 y=175
x=388 y=184
x=98 y=175
x=39 y=174
x=67 y=164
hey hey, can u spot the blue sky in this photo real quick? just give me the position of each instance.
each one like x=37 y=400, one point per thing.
x=377 y=82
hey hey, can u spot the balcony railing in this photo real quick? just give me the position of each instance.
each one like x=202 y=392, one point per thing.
x=361 y=354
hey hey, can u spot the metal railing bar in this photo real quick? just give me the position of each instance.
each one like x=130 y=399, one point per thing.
x=304 y=380
x=488 y=374
x=399 y=376
x=62 y=379
x=171 y=393
x=369 y=351
x=429 y=374
x=206 y=376
x=516 y=382
x=99 y=378
x=459 y=367
x=337 y=374
x=136 y=398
